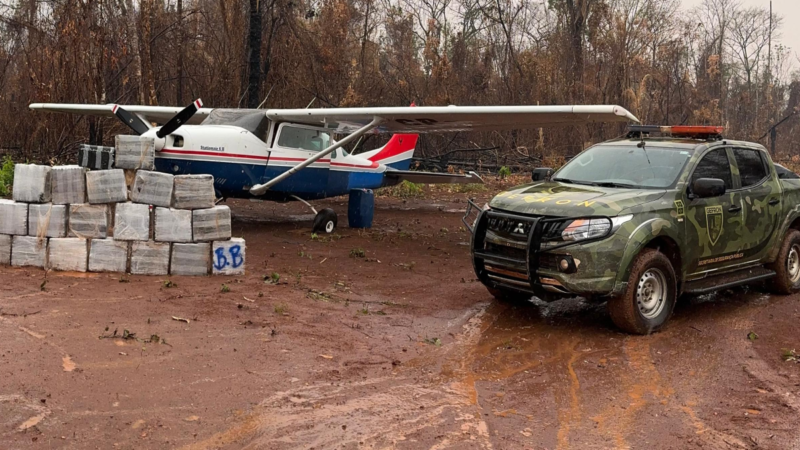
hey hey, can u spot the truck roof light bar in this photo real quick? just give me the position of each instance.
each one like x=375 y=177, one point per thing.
x=684 y=131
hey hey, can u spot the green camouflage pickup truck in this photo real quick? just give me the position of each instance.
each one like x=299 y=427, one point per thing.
x=640 y=220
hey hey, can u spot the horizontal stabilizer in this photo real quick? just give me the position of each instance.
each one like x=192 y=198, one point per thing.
x=433 y=177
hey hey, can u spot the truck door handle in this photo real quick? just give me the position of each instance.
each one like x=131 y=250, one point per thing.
x=774 y=202
x=734 y=209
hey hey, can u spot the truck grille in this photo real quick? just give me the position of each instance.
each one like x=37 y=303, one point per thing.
x=505 y=246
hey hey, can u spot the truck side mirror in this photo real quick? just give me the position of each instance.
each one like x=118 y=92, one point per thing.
x=708 y=187
x=541 y=174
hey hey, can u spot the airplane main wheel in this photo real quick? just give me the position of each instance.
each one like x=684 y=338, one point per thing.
x=325 y=222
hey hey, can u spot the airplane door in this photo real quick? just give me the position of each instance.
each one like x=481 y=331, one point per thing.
x=293 y=145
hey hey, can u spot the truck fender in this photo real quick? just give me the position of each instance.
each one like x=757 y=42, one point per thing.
x=639 y=239
x=791 y=216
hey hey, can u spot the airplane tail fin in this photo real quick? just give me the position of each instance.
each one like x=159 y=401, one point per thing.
x=397 y=153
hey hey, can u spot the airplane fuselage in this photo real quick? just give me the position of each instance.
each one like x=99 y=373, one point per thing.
x=239 y=159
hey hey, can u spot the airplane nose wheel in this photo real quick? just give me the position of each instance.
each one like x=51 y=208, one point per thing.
x=325 y=222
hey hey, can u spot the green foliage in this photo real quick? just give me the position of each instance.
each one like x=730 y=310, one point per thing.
x=6 y=177
x=504 y=173
x=358 y=253
x=406 y=189
x=273 y=278
x=225 y=288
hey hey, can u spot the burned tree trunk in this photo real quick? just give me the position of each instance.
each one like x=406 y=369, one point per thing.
x=254 y=40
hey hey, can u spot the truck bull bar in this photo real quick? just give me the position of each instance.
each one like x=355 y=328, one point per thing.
x=542 y=236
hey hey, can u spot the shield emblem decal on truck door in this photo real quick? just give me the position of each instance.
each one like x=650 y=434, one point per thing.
x=714 y=223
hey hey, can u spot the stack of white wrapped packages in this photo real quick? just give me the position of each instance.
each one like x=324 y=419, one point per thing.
x=126 y=219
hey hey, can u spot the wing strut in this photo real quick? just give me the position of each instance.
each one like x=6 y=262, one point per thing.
x=260 y=189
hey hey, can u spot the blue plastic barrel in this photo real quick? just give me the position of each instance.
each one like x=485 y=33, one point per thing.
x=361 y=208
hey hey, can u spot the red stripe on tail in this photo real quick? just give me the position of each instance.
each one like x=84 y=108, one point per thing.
x=399 y=143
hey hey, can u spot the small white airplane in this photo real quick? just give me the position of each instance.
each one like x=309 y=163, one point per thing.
x=290 y=154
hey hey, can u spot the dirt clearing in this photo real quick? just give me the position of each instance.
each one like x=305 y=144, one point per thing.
x=378 y=338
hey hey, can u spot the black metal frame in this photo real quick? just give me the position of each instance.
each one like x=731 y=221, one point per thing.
x=534 y=244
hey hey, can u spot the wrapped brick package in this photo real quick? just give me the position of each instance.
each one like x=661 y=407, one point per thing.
x=227 y=257
x=190 y=259
x=173 y=225
x=132 y=222
x=213 y=224
x=134 y=152
x=28 y=251
x=88 y=221
x=152 y=188
x=68 y=185
x=106 y=186
x=108 y=255
x=68 y=254
x=96 y=156
x=47 y=220
x=31 y=183
x=13 y=217
x=193 y=192
x=150 y=258
x=5 y=249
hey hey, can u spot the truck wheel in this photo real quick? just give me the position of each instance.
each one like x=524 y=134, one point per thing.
x=650 y=296
x=510 y=297
x=787 y=266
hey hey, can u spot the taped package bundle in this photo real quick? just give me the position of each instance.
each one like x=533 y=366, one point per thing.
x=153 y=188
x=28 y=251
x=190 y=259
x=13 y=217
x=173 y=225
x=68 y=254
x=132 y=222
x=68 y=185
x=228 y=257
x=193 y=192
x=108 y=255
x=47 y=220
x=213 y=224
x=95 y=156
x=5 y=249
x=31 y=183
x=106 y=186
x=88 y=221
x=134 y=152
x=150 y=258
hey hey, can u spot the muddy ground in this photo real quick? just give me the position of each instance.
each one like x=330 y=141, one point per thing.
x=378 y=339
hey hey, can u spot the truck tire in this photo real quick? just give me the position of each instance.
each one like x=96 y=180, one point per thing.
x=787 y=266
x=650 y=297
x=510 y=297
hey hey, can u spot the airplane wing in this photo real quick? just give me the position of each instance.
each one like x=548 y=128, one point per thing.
x=156 y=114
x=432 y=119
x=432 y=177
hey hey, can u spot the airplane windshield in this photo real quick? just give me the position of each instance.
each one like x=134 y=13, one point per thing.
x=310 y=139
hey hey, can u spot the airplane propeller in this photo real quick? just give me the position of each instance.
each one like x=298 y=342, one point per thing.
x=180 y=118
x=133 y=121
x=140 y=127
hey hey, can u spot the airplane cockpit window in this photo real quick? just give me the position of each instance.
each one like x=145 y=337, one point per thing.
x=252 y=120
x=311 y=139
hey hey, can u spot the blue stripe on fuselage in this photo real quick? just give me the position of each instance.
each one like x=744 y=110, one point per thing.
x=234 y=179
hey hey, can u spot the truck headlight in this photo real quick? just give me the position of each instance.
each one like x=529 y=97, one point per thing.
x=582 y=229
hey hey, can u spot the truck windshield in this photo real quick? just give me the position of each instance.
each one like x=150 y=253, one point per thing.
x=626 y=166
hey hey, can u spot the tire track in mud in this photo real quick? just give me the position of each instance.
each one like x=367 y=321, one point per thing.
x=438 y=412
x=420 y=407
